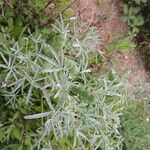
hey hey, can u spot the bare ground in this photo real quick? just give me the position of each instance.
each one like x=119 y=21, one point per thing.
x=107 y=17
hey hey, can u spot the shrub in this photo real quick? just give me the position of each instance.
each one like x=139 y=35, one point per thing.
x=50 y=99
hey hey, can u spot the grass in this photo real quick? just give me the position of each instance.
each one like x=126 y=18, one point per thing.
x=136 y=126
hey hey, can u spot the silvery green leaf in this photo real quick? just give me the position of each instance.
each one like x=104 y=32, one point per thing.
x=36 y=116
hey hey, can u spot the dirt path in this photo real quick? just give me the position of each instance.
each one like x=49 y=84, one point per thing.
x=107 y=16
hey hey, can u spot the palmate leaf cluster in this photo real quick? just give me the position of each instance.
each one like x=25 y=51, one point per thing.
x=51 y=100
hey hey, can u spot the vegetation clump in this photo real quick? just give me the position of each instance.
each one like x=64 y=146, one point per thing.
x=71 y=107
x=50 y=96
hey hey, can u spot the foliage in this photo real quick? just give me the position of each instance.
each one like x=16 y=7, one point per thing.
x=50 y=96
x=20 y=15
x=136 y=126
x=142 y=92
x=137 y=16
x=50 y=99
x=122 y=44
